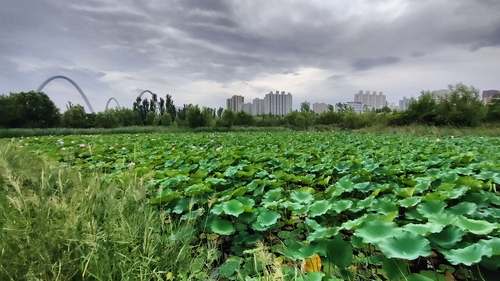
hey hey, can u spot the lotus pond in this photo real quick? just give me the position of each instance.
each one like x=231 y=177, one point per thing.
x=343 y=206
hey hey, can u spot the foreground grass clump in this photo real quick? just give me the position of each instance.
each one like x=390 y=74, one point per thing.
x=61 y=224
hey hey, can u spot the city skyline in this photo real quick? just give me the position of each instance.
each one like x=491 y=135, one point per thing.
x=204 y=51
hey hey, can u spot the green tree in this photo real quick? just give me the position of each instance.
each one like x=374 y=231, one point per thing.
x=74 y=116
x=107 y=119
x=494 y=109
x=227 y=119
x=34 y=109
x=423 y=110
x=243 y=118
x=170 y=107
x=166 y=120
x=462 y=107
x=150 y=118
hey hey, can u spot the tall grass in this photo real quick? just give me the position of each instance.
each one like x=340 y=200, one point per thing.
x=60 y=224
x=26 y=132
x=490 y=129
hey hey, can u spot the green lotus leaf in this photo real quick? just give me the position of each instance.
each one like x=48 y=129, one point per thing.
x=469 y=255
x=233 y=208
x=314 y=276
x=491 y=263
x=406 y=245
x=222 y=227
x=463 y=208
x=494 y=243
x=340 y=205
x=268 y=217
x=443 y=218
x=395 y=269
x=228 y=268
x=339 y=252
x=372 y=231
x=367 y=202
x=345 y=184
x=431 y=208
x=433 y=275
x=447 y=238
x=302 y=197
x=246 y=201
x=318 y=208
x=409 y=202
x=423 y=229
x=313 y=224
x=478 y=227
x=217 y=209
x=181 y=206
x=325 y=232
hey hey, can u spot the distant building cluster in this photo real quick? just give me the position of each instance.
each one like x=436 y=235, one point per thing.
x=488 y=95
x=371 y=101
x=272 y=103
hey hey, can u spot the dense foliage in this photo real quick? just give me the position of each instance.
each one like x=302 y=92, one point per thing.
x=369 y=206
x=462 y=107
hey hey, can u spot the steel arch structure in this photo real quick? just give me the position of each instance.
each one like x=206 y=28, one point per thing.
x=72 y=83
x=143 y=92
x=107 y=104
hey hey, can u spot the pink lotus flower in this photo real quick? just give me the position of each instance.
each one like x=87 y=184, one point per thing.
x=173 y=148
x=211 y=140
x=63 y=149
x=20 y=140
x=193 y=147
x=218 y=149
x=110 y=147
x=25 y=144
x=426 y=138
x=131 y=164
x=123 y=148
x=438 y=140
x=82 y=145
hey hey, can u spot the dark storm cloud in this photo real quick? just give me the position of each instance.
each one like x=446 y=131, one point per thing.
x=163 y=42
x=368 y=63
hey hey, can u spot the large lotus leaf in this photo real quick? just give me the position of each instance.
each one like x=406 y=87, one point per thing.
x=339 y=252
x=318 y=208
x=431 y=208
x=372 y=231
x=268 y=217
x=469 y=255
x=423 y=229
x=302 y=197
x=222 y=227
x=463 y=208
x=409 y=202
x=340 y=205
x=181 y=206
x=233 y=208
x=479 y=227
x=368 y=201
x=447 y=238
x=395 y=269
x=325 y=232
x=406 y=245
x=494 y=243
x=314 y=276
x=443 y=218
x=345 y=184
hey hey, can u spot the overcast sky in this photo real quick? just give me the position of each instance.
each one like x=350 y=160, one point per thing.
x=204 y=51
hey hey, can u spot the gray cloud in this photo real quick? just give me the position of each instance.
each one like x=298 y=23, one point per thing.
x=181 y=47
x=368 y=63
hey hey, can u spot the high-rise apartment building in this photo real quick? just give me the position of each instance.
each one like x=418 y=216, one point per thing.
x=404 y=104
x=371 y=101
x=235 y=103
x=488 y=95
x=320 y=107
x=278 y=104
x=258 y=106
x=247 y=107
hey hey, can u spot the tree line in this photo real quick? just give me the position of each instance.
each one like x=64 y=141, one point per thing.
x=462 y=107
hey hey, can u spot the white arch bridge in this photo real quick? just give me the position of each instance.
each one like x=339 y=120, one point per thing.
x=87 y=102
